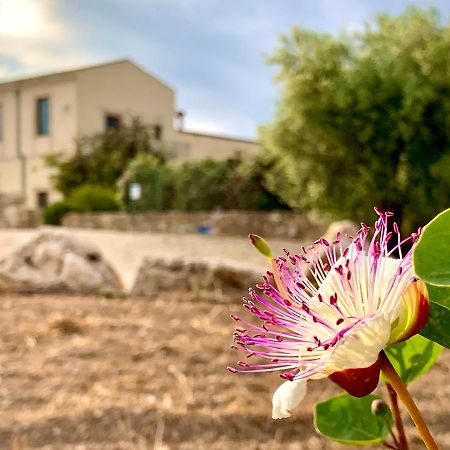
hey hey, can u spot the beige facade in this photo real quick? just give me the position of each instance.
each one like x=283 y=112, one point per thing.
x=80 y=103
x=202 y=146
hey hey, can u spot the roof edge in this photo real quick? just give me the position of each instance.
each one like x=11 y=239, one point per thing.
x=15 y=80
x=220 y=136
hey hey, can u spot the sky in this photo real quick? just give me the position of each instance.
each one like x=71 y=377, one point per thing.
x=212 y=52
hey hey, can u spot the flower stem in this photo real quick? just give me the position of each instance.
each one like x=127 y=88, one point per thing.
x=402 y=392
x=397 y=417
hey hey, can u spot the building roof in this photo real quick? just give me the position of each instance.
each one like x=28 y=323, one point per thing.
x=74 y=71
x=220 y=136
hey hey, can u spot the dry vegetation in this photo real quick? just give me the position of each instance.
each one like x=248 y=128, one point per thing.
x=90 y=374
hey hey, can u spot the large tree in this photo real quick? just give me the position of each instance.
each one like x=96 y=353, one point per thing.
x=364 y=120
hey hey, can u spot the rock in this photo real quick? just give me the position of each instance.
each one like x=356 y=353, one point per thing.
x=345 y=227
x=156 y=275
x=58 y=262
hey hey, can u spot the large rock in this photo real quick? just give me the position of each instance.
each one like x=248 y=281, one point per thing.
x=345 y=227
x=58 y=262
x=157 y=275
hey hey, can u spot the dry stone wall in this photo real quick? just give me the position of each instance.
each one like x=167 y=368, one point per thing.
x=229 y=223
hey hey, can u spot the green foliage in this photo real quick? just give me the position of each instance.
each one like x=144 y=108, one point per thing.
x=432 y=253
x=438 y=325
x=54 y=213
x=91 y=197
x=155 y=179
x=231 y=184
x=439 y=294
x=414 y=357
x=349 y=420
x=249 y=187
x=100 y=159
x=432 y=264
x=123 y=156
x=203 y=185
x=363 y=120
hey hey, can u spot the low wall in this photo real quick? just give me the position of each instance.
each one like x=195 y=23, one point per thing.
x=14 y=214
x=229 y=223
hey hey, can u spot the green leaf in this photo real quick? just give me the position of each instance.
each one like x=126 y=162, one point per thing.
x=432 y=253
x=439 y=294
x=413 y=357
x=437 y=328
x=349 y=420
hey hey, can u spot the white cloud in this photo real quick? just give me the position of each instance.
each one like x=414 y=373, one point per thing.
x=32 y=41
x=27 y=19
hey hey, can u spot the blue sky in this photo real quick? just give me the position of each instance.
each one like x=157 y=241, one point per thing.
x=211 y=51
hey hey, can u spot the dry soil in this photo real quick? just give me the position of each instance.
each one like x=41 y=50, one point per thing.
x=90 y=373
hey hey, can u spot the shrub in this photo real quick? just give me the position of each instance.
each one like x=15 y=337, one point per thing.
x=203 y=185
x=154 y=178
x=231 y=184
x=91 y=197
x=101 y=158
x=54 y=213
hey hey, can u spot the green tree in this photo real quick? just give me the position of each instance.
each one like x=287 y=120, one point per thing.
x=100 y=159
x=364 y=120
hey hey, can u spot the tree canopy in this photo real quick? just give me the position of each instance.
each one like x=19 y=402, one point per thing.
x=364 y=120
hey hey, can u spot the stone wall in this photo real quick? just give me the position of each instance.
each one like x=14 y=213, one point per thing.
x=229 y=223
x=14 y=214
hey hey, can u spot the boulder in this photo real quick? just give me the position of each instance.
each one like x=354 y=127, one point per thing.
x=345 y=227
x=157 y=275
x=58 y=262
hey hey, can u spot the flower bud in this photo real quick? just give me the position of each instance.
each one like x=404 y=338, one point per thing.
x=261 y=245
x=379 y=408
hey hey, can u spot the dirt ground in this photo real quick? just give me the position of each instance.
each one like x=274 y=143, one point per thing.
x=92 y=373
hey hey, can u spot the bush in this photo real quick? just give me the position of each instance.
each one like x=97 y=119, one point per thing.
x=154 y=178
x=101 y=158
x=231 y=184
x=203 y=185
x=54 y=213
x=91 y=197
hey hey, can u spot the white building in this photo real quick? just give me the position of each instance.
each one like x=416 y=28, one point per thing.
x=45 y=114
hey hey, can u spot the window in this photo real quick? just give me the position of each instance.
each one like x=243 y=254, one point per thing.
x=42 y=199
x=1 y=122
x=157 y=132
x=43 y=116
x=112 y=121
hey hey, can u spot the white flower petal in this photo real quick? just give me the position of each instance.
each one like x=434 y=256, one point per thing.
x=360 y=346
x=287 y=397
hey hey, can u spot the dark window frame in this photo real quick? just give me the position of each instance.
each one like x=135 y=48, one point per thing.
x=42 y=199
x=43 y=116
x=157 y=132
x=114 y=117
